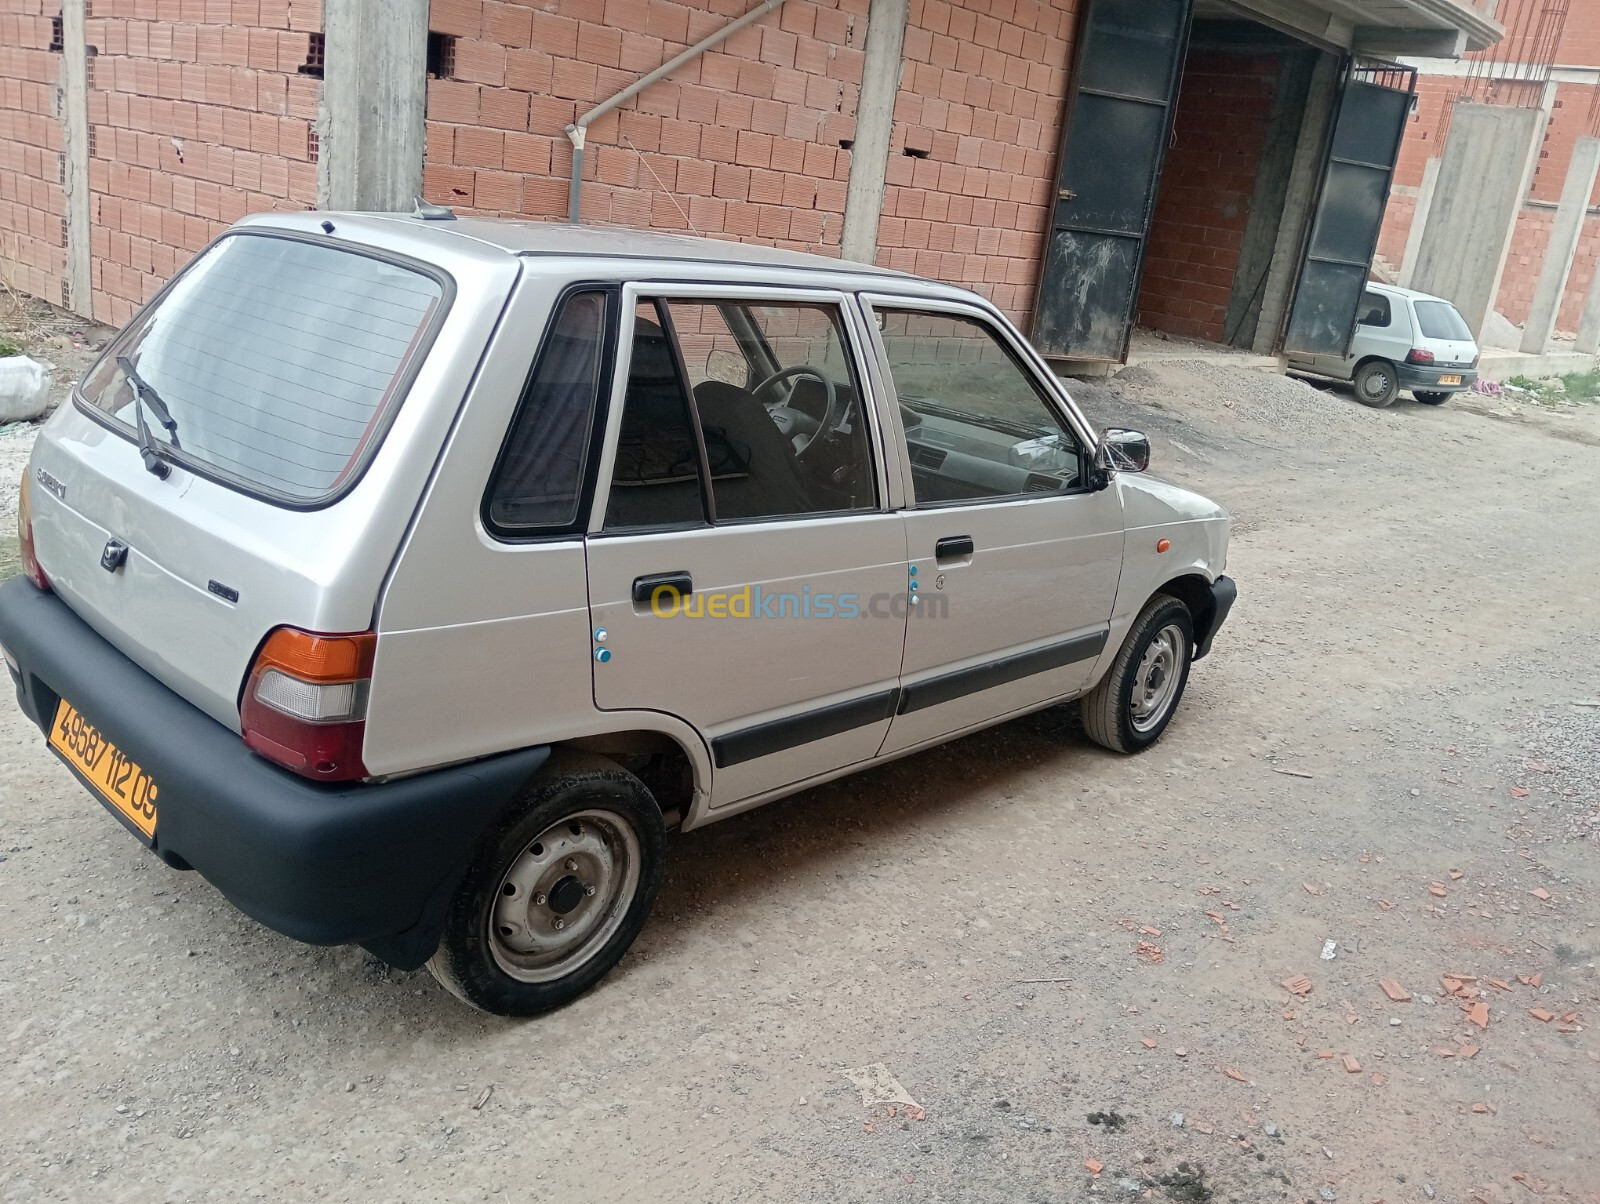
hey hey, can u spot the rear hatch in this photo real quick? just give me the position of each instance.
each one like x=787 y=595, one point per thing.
x=264 y=387
x=1442 y=330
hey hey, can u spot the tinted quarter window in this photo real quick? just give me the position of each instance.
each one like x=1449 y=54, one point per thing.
x=977 y=424
x=1439 y=320
x=656 y=480
x=280 y=361
x=539 y=481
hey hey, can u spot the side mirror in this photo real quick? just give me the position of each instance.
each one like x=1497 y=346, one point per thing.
x=1124 y=451
x=729 y=367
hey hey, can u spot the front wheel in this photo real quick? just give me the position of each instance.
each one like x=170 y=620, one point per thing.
x=1430 y=398
x=556 y=892
x=1377 y=383
x=1134 y=702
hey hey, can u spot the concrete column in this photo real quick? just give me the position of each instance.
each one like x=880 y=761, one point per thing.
x=1483 y=179
x=1419 y=221
x=79 y=296
x=1589 y=326
x=374 y=104
x=869 y=155
x=1563 y=248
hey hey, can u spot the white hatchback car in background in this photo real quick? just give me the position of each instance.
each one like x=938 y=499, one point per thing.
x=408 y=576
x=1404 y=340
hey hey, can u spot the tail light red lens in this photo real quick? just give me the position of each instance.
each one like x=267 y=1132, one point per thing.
x=1419 y=356
x=30 y=560
x=305 y=702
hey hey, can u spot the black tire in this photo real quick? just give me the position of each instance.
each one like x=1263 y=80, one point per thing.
x=594 y=806
x=1108 y=709
x=1377 y=384
x=1431 y=398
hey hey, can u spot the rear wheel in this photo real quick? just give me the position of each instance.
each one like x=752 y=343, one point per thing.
x=556 y=892
x=1430 y=398
x=1134 y=702
x=1377 y=383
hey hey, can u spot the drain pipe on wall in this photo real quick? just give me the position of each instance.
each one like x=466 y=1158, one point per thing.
x=578 y=129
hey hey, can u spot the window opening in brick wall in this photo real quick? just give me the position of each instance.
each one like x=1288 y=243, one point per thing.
x=57 y=35
x=314 y=145
x=441 y=55
x=316 y=50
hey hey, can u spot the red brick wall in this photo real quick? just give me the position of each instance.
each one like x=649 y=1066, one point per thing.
x=198 y=115
x=1206 y=186
x=32 y=203
x=745 y=142
x=977 y=129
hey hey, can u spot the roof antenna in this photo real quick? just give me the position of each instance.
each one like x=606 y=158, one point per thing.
x=660 y=184
x=433 y=213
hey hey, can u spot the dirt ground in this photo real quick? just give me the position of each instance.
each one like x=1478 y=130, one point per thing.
x=1067 y=959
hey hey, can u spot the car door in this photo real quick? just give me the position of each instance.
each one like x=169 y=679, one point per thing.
x=736 y=582
x=1014 y=551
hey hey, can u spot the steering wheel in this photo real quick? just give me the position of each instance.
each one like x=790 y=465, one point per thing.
x=832 y=416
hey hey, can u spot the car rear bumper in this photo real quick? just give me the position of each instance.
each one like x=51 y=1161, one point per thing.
x=372 y=864
x=1413 y=376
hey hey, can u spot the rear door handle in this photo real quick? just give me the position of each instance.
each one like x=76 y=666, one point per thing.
x=953 y=547
x=644 y=588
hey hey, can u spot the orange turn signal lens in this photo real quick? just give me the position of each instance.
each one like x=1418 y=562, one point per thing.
x=319 y=658
x=1163 y=545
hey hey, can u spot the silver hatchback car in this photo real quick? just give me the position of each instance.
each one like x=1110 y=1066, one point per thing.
x=410 y=576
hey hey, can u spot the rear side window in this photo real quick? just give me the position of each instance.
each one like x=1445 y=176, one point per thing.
x=1374 y=310
x=1439 y=320
x=280 y=361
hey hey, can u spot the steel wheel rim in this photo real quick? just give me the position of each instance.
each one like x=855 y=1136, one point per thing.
x=1155 y=682
x=1380 y=379
x=564 y=896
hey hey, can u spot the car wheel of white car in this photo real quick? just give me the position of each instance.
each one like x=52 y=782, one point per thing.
x=1377 y=383
x=556 y=892
x=1134 y=702
x=1432 y=399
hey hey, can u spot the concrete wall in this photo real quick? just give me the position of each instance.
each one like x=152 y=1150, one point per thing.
x=1482 y=181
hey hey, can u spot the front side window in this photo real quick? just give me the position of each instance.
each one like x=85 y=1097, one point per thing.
x=538 y=483
x=977 y=424
x=739 y=411
x=280 y=362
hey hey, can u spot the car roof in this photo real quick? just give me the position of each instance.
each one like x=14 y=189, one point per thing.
x=1394 y=290
x=542 y=238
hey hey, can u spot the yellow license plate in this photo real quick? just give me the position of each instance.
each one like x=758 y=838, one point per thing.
x=1449 y=380
x=105 y=767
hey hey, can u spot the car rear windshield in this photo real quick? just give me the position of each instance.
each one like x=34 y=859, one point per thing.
x=1439 y=320
x=280 y=362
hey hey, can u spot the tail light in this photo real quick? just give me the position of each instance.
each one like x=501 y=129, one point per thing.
x=1418 y=356
x=30 y=561
x=305 y=703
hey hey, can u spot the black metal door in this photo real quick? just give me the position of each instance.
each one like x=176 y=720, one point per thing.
x=1124 y=86
x=1355 y=192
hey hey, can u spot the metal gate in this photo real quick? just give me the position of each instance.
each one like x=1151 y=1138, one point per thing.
x=1125 y=82
x=1355 y=192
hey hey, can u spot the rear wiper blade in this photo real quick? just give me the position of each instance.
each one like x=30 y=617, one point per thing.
x=144 y=394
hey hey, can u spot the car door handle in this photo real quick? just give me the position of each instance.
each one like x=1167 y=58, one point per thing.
x=953 y=547
x=644 y=588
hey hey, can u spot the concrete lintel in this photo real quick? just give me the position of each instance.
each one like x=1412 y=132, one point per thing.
x=79 y=294
x=372 y=124
x=1562 y=248
x=1385 y=42
x=869 y=154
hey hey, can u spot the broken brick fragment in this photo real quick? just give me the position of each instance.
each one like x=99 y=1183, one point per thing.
x=1393 y=989
x=1478 y=1013
x=1351 y=1065
x=1542 y=1015
x=1299 y=984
